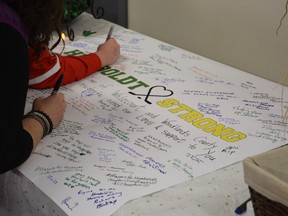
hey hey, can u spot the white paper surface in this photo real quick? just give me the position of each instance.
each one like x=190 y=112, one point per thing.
x=158 y=117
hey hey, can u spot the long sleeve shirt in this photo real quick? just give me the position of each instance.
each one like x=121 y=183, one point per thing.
x=16 y=143
x=45 y=70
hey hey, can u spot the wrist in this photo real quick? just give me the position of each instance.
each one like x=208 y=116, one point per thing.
x=101 y=58
x=43 y=119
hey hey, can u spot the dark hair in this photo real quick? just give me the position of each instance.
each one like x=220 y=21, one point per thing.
x=40 y=18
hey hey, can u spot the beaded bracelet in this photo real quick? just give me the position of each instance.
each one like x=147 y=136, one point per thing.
x=47 y=118
x=43 y=119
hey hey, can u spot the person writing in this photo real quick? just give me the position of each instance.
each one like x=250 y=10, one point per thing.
x=25 y=35
x=26 y=27
x=23 y=25
x=48 y=66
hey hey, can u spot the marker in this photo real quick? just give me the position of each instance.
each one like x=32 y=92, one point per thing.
x=242 y=208
x=57 y=85
x=110 y=33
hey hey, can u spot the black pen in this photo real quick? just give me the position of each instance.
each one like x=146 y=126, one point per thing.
x=57 y=85
x=110 y=33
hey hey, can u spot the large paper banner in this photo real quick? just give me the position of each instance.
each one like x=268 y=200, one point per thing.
x=158 y=117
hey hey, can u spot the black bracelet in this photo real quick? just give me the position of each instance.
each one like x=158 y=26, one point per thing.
x=47 y=118
x=43 y=119
x=40 y=120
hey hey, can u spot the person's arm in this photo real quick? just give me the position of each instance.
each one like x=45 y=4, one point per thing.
x=20 y=135
x=17 y=143
x=45 y=70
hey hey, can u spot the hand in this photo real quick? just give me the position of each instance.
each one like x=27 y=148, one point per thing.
x=54 y=106
x=108 y=52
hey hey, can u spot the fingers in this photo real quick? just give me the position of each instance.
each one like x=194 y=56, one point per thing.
x=108 y=52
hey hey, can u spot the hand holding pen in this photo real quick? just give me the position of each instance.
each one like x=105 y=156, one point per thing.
x=49 y=111
x=109 y=51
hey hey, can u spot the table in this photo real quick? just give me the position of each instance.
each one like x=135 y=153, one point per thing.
x=202 y=176
x=217 y=193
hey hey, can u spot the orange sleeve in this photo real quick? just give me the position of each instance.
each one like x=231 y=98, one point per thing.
x=45 y=71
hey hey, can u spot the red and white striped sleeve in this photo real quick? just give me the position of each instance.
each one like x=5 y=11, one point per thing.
x=45 y=70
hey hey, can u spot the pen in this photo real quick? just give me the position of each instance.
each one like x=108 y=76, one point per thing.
x=57 y=85
x=110 y=33
x=243 y=207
